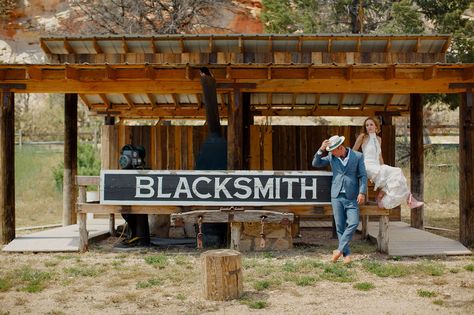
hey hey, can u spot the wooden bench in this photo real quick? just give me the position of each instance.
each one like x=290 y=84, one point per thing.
x=216 y=214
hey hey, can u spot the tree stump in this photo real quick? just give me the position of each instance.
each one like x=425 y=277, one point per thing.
x=221 y=274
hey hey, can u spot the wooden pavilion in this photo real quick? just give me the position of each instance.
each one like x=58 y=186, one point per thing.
x=157 y=78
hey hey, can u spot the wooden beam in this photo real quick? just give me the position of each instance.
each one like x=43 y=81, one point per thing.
x=151 y=99
x=199 y=100
x=388 y=48
x=210 y=45
x=364 y=101
x=150 y=72
x=7 y=167
x=175 y=100
x=446 y=45
x=269 y=100
x=241 y=45
x=429 y=73
x=72 y=73
x=341 y=100
x=45 y=47
x=125 y=47
x=85 y=100
x=97 y=48
x=235 y=141
x=223 y=105
x=418 y=45
x=35 y=73
x=329 y=45
x=358 y=44
x=349 y=71
x=68 y=47
x=466 y=169
x=152 y=45
x=104 y=99
x=416 y=158
x=390 y=72
x=110 y=73
x=388 y=101
x=468 y=73
x=317 y=97
x=129 y=100
x=70 y=159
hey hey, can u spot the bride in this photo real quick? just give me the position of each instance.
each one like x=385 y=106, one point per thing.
x=390 y=180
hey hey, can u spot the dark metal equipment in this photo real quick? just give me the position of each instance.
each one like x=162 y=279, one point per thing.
x=133 y=157
x=212 y=156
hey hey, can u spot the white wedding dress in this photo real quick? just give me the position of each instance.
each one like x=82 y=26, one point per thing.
x=389 y=179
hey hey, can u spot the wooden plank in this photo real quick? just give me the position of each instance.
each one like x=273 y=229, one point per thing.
x=234 y=216
x=267 y=148
x=416 y=158
x=255 y=137
x=7 y=167
x=466 y=169
x=87 y=180
x=98 y=208
x=70 y=159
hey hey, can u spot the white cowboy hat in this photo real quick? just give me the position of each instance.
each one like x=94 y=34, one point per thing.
x=334 y=142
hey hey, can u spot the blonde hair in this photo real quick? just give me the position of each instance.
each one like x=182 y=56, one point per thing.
x=376 y=122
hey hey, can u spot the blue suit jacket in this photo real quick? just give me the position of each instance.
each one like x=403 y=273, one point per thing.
x=352 y=177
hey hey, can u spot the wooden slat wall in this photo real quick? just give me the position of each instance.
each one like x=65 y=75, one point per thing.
x=271 y=147
x=275 y=57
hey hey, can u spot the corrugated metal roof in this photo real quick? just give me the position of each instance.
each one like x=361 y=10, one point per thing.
x=246 y=43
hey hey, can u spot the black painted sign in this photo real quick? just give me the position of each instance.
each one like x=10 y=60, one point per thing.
x=214 y=188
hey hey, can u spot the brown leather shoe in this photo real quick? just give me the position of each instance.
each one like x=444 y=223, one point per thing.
x=347 y=260
x=336 y=254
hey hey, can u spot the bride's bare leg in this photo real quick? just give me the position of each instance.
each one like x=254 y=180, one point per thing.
x=379 y=198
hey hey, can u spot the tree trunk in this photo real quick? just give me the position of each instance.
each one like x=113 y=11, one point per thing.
x=221 y=274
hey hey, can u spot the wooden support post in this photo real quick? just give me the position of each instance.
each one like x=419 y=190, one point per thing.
x=221 y=274
x=389 y=151
x=235 y=233
x=365 y=223
x=7 y=167
x=466 y=169
x=416 y=157
x=235 y=136
x=82 y=217
x=70 y=159
x=382 y=244
x=109 y=155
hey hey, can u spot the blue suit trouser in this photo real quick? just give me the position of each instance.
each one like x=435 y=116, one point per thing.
x=346 y=216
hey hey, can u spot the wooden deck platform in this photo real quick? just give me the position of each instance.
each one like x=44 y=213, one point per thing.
x=407 y=241
x=60 y=239
x=403 y=239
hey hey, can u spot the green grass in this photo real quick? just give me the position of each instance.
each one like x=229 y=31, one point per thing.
x=83 y=271
x=5 y=284
x=338 y=273
x=438 y=302
x=425 y=293
x=37 y=201
x=364 y=286
x=304 y=281
x=261 y=285
x=153 y=282
x=158 y=261
x=431 y=268
x=386 y=269
x=469 y=267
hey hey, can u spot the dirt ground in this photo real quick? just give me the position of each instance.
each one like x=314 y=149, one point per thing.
x=300 y=281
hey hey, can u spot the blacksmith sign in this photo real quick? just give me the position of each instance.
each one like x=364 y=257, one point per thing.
x=214 y=188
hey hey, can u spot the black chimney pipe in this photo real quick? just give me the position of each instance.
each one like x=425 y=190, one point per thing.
x=208 y=84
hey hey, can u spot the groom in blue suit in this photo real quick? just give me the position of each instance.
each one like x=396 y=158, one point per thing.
x=348 y=189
